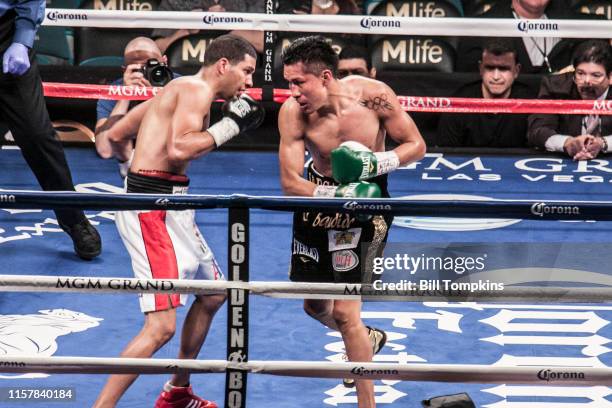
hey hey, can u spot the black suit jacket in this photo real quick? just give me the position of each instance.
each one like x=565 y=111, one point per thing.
x=470 y=48
x=543 y=126
x=485 y=129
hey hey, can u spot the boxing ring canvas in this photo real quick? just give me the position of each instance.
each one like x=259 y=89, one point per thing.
x=579 y=335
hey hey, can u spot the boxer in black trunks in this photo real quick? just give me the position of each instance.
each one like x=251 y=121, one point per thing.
x=342 y=124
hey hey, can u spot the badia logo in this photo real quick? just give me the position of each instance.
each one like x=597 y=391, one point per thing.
x=550 y=375
x=212 y=19
x=527 y=26
x=55 y=16
x=370 y=22
x=541 y=209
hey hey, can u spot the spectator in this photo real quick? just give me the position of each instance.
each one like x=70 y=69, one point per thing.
x=580 y=137
x=327 y=7
x=136 y=54
x=164 y=37
x=355 y=60
x=22 y=107
x=499 y=69
x=319 y=7
x=535 y=54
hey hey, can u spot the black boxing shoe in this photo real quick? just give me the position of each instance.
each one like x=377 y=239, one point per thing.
x=87 y=242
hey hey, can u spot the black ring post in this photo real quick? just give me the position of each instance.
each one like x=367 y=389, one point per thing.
x=237 y=306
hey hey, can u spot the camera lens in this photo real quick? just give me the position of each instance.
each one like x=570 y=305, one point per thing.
x=157 y=73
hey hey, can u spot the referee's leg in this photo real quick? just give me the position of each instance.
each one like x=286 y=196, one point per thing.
x=23 y=108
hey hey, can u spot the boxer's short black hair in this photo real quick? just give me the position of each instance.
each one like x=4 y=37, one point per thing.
x=228 y=46
x=314 y=52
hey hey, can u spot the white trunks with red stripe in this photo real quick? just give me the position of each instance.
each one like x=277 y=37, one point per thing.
x=164 y=244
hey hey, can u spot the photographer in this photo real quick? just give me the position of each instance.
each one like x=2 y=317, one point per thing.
x=144 y=65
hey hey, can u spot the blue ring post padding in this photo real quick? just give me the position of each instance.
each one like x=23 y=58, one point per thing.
x=493 y=208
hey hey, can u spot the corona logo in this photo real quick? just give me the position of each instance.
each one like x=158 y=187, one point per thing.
x=528 y=26
x=541 y=209
x=55 y=16
x=370 y=22
x=211 y=19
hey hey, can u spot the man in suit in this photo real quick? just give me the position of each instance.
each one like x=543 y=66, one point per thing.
x=580 y=137
x=23 y=109
x=535 y=54
x=499 y=69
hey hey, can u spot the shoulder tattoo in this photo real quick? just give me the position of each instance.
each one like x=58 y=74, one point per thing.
x=377 y=103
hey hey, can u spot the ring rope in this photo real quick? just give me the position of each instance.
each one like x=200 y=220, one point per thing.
x=463 y=373
x=408 y=103
x=295 y=290
x=346 y=24
x=491 y=208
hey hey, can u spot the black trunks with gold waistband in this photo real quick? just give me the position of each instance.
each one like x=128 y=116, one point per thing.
x=336 y=247
x=156 y=182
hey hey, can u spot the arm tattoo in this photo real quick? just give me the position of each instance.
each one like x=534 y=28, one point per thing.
x=377 y=103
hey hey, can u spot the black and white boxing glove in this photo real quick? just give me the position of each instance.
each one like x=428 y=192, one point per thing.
x=239 y=115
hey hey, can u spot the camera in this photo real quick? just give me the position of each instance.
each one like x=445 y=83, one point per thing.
x=157 y=73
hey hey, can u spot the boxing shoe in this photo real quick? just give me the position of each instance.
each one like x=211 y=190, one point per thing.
x=378 y=338
x=181 y=397
x=86 y=240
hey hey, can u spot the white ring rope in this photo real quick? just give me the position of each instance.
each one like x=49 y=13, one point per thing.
x=449 y=26
x=461 y=373
x=292 y=290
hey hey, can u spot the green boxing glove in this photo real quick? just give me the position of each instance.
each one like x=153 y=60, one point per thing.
x=353 y=161
x=362 y=189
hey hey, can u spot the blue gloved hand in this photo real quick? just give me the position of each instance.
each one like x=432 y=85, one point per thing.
x=15 y=60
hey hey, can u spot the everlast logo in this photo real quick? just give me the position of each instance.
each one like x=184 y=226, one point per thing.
x=415 y=9
x=360 y=371
x=527 y=26
x=133 y=5
x=7 y=198
x=370 y=22
x=211 y=19
x=412 y=52
x=549 y=375
x=541 y=209
x=354 y=205
x=115 y=284
x=55 y=16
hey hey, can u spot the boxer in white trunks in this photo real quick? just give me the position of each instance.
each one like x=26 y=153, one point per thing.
x=173 y=129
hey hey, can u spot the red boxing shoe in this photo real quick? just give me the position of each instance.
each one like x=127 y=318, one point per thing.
x=182 y=397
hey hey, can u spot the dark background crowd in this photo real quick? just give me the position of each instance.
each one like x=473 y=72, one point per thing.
x=475 y=67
